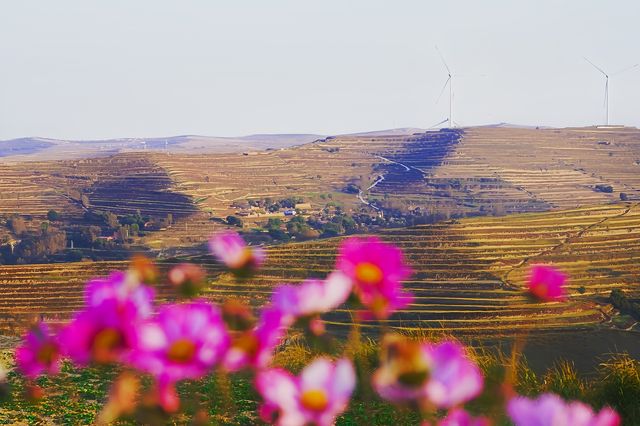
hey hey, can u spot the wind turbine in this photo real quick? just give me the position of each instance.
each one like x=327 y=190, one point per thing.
x=450 y=83
x=606 y=85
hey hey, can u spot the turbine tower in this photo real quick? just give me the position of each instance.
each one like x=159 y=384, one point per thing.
x=449 y=82
x=606 y=85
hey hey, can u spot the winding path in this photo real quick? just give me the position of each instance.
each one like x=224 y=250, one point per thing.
x=381 y=178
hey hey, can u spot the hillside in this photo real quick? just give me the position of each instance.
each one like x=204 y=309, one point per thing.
x=469 y=273
x=501 y=198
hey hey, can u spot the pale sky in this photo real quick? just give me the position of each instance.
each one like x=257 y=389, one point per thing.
x=80 y=69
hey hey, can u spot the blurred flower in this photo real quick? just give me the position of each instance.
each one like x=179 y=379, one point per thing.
x=231 y=249
x=454 y=378
x=312 y=297
x=123 y=398
x=39 y=352
x=187 y=278
x=459 y=417
x=404 y=369
x=376 y=269
x=33 y=392
x=441 y=373
x=237 y=314
x=255 y=347
x=184 y=342
x=547 y=283
x=168 y=397
x=144 y=269
x=102 y=334
x=316 y=326
x=550 y=410
x=105 y=330
x=317 y=396
x=123 y=288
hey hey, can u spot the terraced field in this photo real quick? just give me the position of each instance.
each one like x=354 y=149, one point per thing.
x=55 y=291
x=469 y=274
x=468 y=279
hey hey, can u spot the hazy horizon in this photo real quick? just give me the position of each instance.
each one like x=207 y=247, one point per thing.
x=87 y=70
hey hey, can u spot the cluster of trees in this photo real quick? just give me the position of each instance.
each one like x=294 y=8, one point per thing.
x=33 y=246
x=312 y=227
x=620 y=301
x=122 y=227
x=271 y=205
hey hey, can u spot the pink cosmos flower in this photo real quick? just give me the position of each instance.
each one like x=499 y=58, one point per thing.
x=440 y=373
x=550 y=410
x=123 y=288
x=184 y=341
x=255 y=347
x=459 y=417
x=317 y=396
x=105 y=330
x=39 y=353
x=101 y=334
x=312 y=297
x=231 y=249
x=376 y=269
x=547 y=283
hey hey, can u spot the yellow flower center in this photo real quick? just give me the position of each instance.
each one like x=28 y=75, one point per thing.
x=47 y=353
x=247 y=343
x=105 y=343
x=181 y=351
x=540 y=290
x=368 y=273
x=379 y=307
x=245 y=258
x=314 y=400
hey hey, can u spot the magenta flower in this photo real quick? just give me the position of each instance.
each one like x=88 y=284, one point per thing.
x=377 y=270
x=101 y=334
x=39 y=353
x=317 y=396
x=439 y=373
x=454 y=378
x=550 y=410
x=312 y=297
x=231 y=249
x=459 y=417
x=547 y=283
x=185 y=341
x=123 y=288
x=255 y=347
x=105 y=330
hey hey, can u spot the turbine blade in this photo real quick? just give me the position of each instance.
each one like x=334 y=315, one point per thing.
x=443 y=87
x=606 y=93
x=443 y=61
x=437 y=124
x=596 y=67
x=626 y=69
